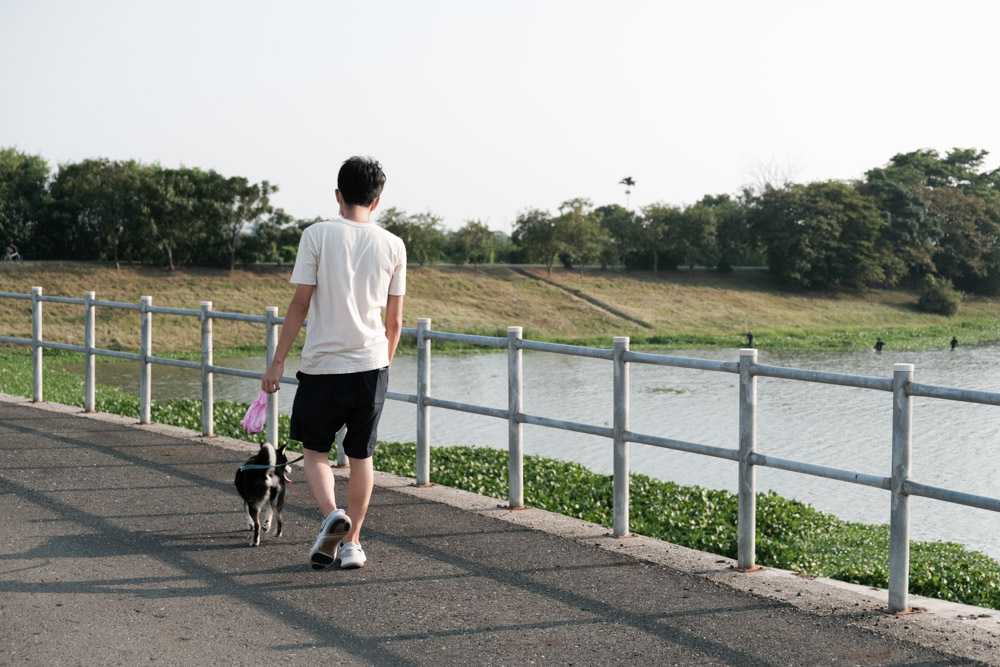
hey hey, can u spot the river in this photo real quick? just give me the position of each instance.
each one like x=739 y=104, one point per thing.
x=955 y=445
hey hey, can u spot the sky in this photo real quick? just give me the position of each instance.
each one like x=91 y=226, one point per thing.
x=480 y=109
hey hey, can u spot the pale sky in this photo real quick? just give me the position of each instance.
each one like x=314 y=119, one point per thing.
x=479 y=109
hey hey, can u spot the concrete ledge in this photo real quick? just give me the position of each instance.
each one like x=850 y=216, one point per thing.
x=962 y=630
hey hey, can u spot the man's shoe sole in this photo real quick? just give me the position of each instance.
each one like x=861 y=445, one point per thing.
x=324 y=551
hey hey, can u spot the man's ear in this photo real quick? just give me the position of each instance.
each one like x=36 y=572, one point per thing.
x=340 y=197
x=371 y=209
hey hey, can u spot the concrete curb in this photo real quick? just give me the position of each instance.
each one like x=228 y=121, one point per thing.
x=957 y=629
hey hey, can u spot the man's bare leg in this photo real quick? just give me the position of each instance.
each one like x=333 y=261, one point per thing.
x=359 y=493
x=321 y=480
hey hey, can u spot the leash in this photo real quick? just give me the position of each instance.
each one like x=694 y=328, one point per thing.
x=260 y=466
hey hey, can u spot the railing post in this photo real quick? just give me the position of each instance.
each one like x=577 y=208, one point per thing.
x=899 y=516
x=620 y=526
x=207 y=377
x=36 y=349
x=89 y=379
x=145 y=367
x=515 y=460
x=423 y=389
x=746 y=524
x=272 y=399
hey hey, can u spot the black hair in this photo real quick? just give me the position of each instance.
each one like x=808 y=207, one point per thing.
x=360 y=180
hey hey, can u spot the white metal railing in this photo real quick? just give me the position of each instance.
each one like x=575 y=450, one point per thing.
x=901 y=385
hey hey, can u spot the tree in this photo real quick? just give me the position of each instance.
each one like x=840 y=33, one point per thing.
x=820 y=234
x=168 y=199
x=224 y=209
x=534 y=232
x=692 y=236
x=969 y=237
x=623 y=229
x=97 y=210
x=421 y=233
x=924 y=198
x=248 y=204
x=629 y=183
x=926 y=168
x=23 y=194
x=472 y=243
x=657 y=220
x=734 y=244
x=579 y=236
x=910 y=234
x=273 y=239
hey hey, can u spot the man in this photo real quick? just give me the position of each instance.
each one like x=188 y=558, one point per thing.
x=347 y=271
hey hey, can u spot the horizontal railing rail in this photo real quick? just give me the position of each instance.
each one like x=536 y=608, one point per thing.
x=881 y=384
x=558 y=348
x=681 y=446
x=947 y=393
x=898 y=483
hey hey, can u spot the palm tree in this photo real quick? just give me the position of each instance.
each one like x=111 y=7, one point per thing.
x=629 y=184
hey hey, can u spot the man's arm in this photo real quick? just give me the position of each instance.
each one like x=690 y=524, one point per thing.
x=294 y=317
x=393 y=322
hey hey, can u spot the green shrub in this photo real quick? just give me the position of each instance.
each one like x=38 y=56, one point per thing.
x=939 y=296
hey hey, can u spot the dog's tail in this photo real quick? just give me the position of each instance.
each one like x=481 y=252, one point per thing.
x=268 y=449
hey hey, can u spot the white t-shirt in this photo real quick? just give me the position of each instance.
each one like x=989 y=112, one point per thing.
x=355 y=266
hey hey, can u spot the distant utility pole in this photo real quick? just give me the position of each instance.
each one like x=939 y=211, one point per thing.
x=629 y=184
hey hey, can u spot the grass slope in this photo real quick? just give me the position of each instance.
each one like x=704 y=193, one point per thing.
x=698 y=309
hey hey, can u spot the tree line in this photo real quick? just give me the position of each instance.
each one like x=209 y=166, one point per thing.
x=124 y=210
x=920 y=215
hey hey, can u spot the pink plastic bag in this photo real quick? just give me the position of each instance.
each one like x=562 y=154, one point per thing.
x=253 y=421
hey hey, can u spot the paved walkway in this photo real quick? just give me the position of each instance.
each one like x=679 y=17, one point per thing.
x=124 y=545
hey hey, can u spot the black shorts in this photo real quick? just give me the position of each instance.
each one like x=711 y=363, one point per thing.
x=326 y=403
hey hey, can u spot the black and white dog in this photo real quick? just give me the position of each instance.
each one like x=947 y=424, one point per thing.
x=263 y=490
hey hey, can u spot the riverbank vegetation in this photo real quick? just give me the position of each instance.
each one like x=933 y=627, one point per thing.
x=790 y=534
x=678 y=310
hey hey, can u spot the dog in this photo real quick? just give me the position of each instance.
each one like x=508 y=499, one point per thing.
x=263 y=490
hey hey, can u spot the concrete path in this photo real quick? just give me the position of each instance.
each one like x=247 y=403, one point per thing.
x=124 y=545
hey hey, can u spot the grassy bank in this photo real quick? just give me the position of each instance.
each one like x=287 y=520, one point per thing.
x=699 y=309
x=790 y=534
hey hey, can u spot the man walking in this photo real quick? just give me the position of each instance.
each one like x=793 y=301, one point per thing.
x=348 y=270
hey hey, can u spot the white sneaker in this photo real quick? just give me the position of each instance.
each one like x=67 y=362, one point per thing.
x=331 y=531
x=351 y=556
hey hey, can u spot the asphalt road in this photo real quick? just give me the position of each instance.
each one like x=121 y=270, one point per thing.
x=126 y=546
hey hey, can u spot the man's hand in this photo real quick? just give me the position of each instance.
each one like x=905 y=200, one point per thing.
x=271 y=382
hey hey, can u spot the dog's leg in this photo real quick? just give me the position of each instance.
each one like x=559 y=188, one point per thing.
x=246 y=512
x=277 y=505
x=279 y=524
x=255 y=513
